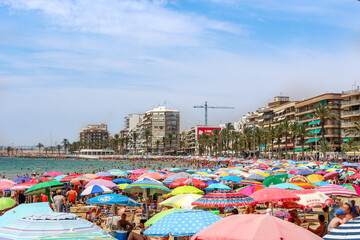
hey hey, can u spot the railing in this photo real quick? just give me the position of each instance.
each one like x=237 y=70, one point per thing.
x=351 y=102
x=345 y=113
x=346 y=124
x=351 y=91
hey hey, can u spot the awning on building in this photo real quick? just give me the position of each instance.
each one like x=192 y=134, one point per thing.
x=312 y=140
x=314 y=122
x=300 y=149
x=260 y=114
x=300 y=124
x=346 y=139
x=279 y=112
x=315 y=131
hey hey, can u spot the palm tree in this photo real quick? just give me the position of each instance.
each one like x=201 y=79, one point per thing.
x=58 y=148
x=258 y=136
x=324 y=112
x=163 y=141
x=147 y=135
x=351 y=146
x=39 y=145
x=286 y=131
x=354 y=130
x=279 y=134
x=248 y=135
x=46 y=150
x=157 y=143
x=170 y=138
x=215 y=139
x=134 y=137
x=66 y=144
x=294 y=127
x=302 y=133
x=272 y=135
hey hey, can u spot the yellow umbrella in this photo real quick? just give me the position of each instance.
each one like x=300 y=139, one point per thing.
x=282 y=170
x=315 y=178
x=262 y=173
x=186 y=190
x=331 y=170
x=123 y=185
x=204 y=173
x=301 y=165
x=224 y=175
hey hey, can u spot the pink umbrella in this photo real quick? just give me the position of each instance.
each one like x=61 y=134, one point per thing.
x=53 y=174
x=102 y=182
x=355 y=176
x=5 y=185
x=254 y=227
x=332 y=189
x=250 y=189
x=153 y=175
x=330 y=175
x=274 y=195
x=320 y=172
x=138 y=171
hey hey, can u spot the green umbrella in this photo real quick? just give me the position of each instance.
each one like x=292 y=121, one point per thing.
x=43 y=186
x=6 y=202
x=275 y=179
x=160 y=215
x=76 y=235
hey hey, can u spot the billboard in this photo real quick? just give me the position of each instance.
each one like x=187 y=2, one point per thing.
x=205 y=130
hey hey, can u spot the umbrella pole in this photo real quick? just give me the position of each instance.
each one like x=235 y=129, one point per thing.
x=304 y=214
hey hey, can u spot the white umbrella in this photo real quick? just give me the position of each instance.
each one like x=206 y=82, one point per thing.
x=183 y=201
x=96 y=189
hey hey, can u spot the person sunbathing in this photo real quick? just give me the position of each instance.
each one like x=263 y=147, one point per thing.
x=141 y=236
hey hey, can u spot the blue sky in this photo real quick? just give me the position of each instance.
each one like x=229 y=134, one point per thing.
x=66 y=63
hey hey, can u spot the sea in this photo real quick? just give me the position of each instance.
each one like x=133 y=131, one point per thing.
x=12 y=167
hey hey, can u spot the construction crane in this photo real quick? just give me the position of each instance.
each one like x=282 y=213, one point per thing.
x=206 y=110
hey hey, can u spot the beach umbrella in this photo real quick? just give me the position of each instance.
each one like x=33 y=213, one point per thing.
x=119 y=173
x=232 y=178
x=95 y=189
x=288 y=186
x=4 y=180
x=77 y=236
x=176 y=170
x=321 y=183
x=335 y=190
x=330 y=175
x=24 y=210
x=274 y=195
x=80 y=180
x=122 y=186
x=183 y=201
x=254 y=227
x=300 y=181
x=186 y=190
x=188 y=182
x=315 y=178
x=248 y=190
x=21 y=179
x=153 y=175
x=351 y=165
x=224 y=199
x=201 y=177
x=218 y=186
x=353 y=188
x=68 y=178
x=310 y=198
x=182 y=223
x=250 y=182
x=146 y=183
x=104 y=178
x=110 y=199
x=121 y=180
x=48 y=224
x=160 y=215
x=320 y=172
x=275 y=179
x=102 y=182
x=138 y=171
x=58 y=178
x=305 y=172
x=5 y=185
x=175 y=177
x=354 y=176
x=103 y=174
x=53 y=174
x=6 y=202
x=212 y=182
x=256 y=177
x=41 y=187
x=348 y=230
x=89 y=175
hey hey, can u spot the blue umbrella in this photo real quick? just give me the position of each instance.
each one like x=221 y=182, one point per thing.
x=182 y=223
x=304 y=172
x=218 y=186
x=103 y=174
x=212 y=182
x=287 y=186
x=353 y=165
x=58 y=178
x=322 y=183
x=121 y=181
x=21 y=179
x=348 y=230
x=110 y=199
x=232 y=178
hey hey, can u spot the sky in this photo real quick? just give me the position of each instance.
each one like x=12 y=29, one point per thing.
x=68 y=63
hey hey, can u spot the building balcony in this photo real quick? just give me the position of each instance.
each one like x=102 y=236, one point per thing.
x=350 y=113
x=347 y=124
x=350 y=103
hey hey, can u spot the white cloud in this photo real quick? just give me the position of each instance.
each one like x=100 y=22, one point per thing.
x=145 y=21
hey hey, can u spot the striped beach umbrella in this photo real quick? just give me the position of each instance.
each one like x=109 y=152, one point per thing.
x=310 y=198
x=146 y=183
x=250 y=182
x=78 y=236
x=348 y=230
x=183 y=201
x=95 y=189
x=41 y=225
x=224 y=199
x=335 y=190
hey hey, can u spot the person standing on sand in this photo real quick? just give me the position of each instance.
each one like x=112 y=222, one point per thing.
x=60 y=202
x=71 y=196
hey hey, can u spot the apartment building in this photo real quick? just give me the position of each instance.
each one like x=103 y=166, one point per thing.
x=350 y=111
x=94 y=133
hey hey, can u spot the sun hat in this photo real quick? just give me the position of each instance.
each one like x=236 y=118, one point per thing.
x=340 y=212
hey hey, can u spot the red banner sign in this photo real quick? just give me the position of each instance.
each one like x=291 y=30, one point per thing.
x=206 y=130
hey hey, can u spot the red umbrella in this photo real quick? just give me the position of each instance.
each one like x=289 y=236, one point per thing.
x=104 y=178
x=188 y=182
x=274 y=195
x=32 y=182
x=355 y=176
x=224 y=199
x=53 y=174
x=70 y=177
